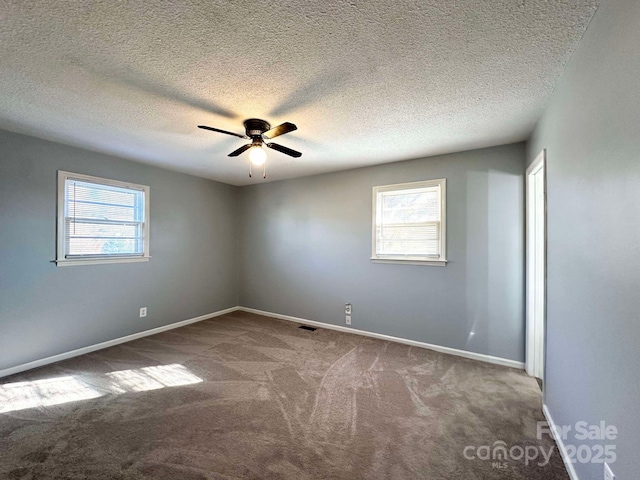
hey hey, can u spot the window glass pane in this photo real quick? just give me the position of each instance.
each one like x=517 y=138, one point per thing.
x=86 y=200
x=102 y=246
x=90 y=192
x=422 y=206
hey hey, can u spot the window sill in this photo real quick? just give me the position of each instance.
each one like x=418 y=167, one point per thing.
x=66 y=262
x=412 y=261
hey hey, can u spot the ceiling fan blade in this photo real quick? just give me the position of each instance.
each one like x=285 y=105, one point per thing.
x=242 y=149
x=285 y=150
x=221 y=131
x=286 y=127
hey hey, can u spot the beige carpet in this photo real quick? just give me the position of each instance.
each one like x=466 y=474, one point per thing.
x=245 y=396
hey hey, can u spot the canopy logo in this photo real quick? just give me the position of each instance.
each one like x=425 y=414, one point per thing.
x=499 y=452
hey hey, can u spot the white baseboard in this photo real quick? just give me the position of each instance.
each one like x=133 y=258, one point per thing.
x=452 y=351
x=110 y=343
x=153 y=331
x=561 y=447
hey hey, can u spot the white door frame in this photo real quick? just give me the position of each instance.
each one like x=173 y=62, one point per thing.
x=536 y=206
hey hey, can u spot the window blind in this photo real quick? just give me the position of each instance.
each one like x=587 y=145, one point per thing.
x=103 y=220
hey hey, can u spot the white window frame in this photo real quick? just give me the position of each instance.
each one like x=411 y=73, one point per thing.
x=440 y=261
x=61 y=259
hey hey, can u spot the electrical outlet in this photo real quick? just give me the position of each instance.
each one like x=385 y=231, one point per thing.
x=143 y=312
x=608 y=474
x=347 y=309
x=347 y=319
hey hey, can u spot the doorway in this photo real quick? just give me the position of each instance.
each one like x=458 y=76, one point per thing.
x=536 y=204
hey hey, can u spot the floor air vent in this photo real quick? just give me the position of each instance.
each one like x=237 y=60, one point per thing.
x=304 y=327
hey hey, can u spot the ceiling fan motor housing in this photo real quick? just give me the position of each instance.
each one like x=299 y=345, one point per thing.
x=256 y=127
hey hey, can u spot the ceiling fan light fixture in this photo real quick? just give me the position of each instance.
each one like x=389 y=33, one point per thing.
x=257 y=155
x=258 y=131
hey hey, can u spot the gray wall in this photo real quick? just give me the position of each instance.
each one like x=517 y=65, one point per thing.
x=306 y=244
x=46 y=310
x=591 y=130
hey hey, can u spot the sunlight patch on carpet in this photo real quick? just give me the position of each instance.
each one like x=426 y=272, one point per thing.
x=59 y=390
x=153 y=378
x=43 y=393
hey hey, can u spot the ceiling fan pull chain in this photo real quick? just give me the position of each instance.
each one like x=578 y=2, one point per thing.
x=264 y=171
x=250 y=170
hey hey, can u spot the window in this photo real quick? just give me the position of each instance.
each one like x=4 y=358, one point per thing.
x=409 y=223
x=101 y=221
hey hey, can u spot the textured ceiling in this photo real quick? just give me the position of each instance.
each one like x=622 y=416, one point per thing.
x=366 y=82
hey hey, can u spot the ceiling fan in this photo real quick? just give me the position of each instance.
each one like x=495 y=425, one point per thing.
x=259 y=131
